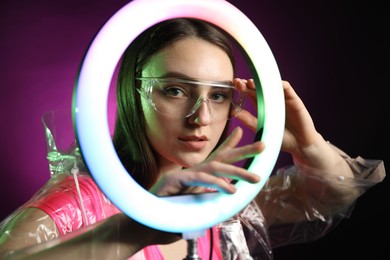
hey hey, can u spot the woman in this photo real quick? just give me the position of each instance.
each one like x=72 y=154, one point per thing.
x=176 y=97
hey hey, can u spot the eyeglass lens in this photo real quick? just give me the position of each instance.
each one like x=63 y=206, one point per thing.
x=183 y=99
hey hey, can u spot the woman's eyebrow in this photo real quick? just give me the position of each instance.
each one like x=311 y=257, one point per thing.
x=182 y=76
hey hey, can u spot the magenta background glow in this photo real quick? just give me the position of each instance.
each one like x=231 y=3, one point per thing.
x=332 y=53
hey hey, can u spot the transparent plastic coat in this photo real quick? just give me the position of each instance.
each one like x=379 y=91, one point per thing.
x=245 y=236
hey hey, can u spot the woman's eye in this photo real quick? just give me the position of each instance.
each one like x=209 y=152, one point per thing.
x=219 y=97
x=174 y=92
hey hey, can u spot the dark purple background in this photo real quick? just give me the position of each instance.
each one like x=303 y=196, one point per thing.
x=332 y=53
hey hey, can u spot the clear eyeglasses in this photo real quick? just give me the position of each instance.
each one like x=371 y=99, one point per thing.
x=181 y=97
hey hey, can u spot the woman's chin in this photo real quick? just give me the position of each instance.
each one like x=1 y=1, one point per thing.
x=192 y=160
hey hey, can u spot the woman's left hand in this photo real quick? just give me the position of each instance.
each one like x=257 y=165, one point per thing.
x=300 y=138
x=299 y=131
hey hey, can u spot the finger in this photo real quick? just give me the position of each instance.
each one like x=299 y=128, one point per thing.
x=248 y=87
x=252 y=91
x=232 y=140
x=229 y=152
x=248 y=119
x=251 y=84
x=290 y=95
x=211 y=182
x=243 y=152
x=211 y=175
x=230 y=171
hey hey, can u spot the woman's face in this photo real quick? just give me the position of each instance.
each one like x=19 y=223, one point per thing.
x=182 y=142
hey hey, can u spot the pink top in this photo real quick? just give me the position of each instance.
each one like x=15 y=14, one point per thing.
x=61 y=202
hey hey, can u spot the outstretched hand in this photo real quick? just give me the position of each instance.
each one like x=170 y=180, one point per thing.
x=213 y=172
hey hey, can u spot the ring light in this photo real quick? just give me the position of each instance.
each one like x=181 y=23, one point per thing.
x=187 y=213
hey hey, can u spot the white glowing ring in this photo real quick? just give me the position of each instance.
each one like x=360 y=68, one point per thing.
x=180 y=213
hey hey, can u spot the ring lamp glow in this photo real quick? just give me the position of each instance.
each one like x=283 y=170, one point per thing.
x=188 y=213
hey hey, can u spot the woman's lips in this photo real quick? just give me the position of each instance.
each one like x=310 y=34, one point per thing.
x=194 y=142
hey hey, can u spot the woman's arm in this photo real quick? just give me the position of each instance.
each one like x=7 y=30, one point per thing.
x=53 y=215
x=26 y=227
x=323 y=180
x=117 y=237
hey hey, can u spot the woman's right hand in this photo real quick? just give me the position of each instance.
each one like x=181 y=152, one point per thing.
x=213 y=172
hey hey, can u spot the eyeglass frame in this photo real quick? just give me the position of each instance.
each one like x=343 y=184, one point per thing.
x=216 y=84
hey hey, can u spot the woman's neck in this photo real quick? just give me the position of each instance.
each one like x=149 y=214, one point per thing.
x=165 y=166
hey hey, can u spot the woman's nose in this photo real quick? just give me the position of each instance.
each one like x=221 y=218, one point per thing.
x=202 y=115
